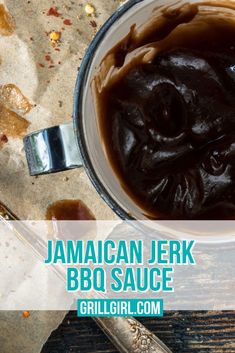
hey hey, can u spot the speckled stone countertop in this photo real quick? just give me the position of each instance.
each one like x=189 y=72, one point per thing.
x=46 y=72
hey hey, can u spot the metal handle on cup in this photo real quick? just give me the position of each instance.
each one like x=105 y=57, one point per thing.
x=52 y=150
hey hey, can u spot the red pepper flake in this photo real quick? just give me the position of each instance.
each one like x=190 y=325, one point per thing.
x=3 y=139
x=26 y=314
x=47 y=57
x=53 y=11
x=67 y=22
x=59 y=62
x=41 y=65
x=93 y=24
x=51 y=66
x=57 y=49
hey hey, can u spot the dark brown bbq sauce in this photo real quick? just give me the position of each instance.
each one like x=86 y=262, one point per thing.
x=69 y=210
x=168 y=125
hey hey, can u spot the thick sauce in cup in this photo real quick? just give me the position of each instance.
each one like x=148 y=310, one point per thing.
x=167 y=114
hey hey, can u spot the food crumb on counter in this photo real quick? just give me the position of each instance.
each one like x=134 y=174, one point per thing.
x=67 y=22
x=93 y=24
x=47 y=57
x=3 y=139
x=26 y=314
x=89 y=9
x=55 y=36
x=53 y=11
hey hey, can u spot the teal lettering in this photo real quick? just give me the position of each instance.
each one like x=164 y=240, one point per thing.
x=108 y=258
x=187 y=252
x=72 y=279
x=117 y=284
x=167 y=279
x=175 y=252
x=162 y=252
x=122 y=254
x=155 y=279
x=59 y=253
x=74 y=252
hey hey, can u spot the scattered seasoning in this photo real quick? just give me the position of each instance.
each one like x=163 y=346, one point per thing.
x=55 y=36
x=67 y=22
x=26 y=314
x=47 y=57
x=51 y=66
x=89 y=9
x=53 y=11
x=3 y=139
x=57 y=49
x=41 y=65
x=93 y=24
x=60 y=105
